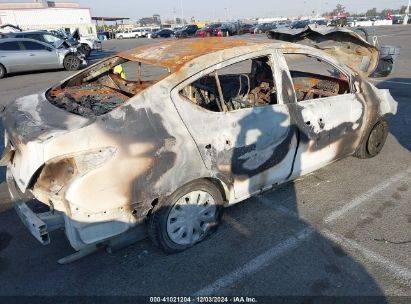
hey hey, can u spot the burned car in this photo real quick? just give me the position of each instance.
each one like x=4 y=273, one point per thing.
x=190 y=127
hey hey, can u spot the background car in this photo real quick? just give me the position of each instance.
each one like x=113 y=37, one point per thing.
x=51 y=39
x=24 y=55
x=282 y=24
x=128 y=34
x=229 y=29
x=321 y=22
x=187 y=31
x=264 y=27
x=397 y=19
x=164 y=33
x=246 y=29
x=209 y=30
x=299 y=24
x=85 y=45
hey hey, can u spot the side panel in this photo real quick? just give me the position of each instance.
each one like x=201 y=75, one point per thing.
x=329 y=128
x=250 y=148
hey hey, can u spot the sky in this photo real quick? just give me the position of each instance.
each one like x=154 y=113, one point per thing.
x=224 y=9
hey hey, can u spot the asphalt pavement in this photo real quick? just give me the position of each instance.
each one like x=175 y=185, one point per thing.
x=344 y=230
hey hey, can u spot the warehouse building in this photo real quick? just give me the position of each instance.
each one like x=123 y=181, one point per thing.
x=48 y=15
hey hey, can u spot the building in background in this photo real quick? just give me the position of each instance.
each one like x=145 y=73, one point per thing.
x=48 y=15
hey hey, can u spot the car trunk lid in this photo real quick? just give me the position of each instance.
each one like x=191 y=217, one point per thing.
x=30 y=122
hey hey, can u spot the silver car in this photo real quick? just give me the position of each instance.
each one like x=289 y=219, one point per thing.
x=24 y=55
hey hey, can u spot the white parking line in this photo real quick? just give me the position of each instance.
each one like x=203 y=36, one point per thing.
x=367 y=195
x=400 y=273
x=256 y=264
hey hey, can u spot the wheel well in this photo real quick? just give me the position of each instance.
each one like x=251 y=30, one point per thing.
x=225 y=192
x=71 y=53
x=4 y=67
x=221 y=186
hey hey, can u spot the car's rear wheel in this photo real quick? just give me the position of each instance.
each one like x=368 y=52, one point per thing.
x=120 y=37
x=185 y=218
x=86 y=49
x=72 y=63
x=375 y=141
x=2 y=71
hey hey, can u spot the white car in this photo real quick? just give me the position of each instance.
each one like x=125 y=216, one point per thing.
x=128 y=34
x=164 y=152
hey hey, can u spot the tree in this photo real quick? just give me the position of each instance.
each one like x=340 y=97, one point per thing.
x=372 y=12
x=339 y=10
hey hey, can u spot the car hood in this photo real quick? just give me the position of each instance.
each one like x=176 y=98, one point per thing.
x=62 y=44
x=344 y=44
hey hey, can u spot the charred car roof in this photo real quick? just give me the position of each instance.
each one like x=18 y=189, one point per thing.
x=176 y=53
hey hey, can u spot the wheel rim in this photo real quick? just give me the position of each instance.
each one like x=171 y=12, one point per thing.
x=72 y=63
x=191 y=218
x=376 y=139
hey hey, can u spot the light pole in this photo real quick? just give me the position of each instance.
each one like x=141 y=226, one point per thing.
x=182 y=12
x=407 y=11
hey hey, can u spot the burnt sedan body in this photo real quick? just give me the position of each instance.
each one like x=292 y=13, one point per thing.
x=217 y=122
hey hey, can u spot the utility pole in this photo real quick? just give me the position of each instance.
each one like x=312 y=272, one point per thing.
x=407 y=11
x=182 y=12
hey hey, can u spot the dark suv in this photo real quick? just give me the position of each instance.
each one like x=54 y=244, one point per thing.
x=187 y=31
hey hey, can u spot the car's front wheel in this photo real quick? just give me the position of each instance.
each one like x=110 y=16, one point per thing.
x=375 y=141
x=72 y=63
x=2 y=71
x=185 y=218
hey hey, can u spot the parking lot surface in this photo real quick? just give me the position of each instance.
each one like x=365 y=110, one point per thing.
x=344 y=230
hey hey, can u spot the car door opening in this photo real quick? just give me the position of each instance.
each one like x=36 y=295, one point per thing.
x=246 y=84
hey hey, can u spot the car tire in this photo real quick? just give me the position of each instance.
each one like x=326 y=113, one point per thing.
x=86 y=49
x=208 y=35
x=3 y=71
x=374 y=141
x=120 y=37
x=72 y=63
x=175 y=225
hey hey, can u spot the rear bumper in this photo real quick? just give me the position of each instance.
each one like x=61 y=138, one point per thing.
x=39 y=225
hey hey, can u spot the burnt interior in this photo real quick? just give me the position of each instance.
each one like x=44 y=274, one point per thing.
x=104 y=87
x=229 y=90
x=309 y=86
x=226 y=90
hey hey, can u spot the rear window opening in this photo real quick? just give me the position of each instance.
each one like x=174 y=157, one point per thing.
x=104 y=87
